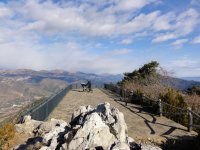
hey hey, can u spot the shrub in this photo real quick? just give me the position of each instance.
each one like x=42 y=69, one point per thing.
x=175 y=99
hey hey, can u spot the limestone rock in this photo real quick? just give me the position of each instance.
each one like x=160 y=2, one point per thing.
x=79 y=115
x=121 y=146
x=94 y=133
x=149 y=147
x=28 y=125
x=48 y=126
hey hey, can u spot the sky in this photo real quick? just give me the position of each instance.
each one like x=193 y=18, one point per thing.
x=100 y=36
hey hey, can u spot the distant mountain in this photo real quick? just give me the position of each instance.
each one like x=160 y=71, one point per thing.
x=179 y=83
x=191 y=78
x=17 y=90
x=36 y=76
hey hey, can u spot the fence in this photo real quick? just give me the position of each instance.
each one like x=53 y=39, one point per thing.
x=42 y=109
x=157 y=105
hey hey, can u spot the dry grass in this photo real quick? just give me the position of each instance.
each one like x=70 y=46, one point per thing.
x=193 y=101
x=7 y=132
x=152 y=91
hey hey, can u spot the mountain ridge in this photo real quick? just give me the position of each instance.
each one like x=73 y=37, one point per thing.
x=62 y=75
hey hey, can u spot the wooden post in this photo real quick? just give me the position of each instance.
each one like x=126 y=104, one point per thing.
x=190 y=119
x=160 y=107
x=131 y=96
x=125 y=97
x=143 y=98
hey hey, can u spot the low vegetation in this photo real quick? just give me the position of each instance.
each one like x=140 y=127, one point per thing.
x=175 y=99
x=7 y=132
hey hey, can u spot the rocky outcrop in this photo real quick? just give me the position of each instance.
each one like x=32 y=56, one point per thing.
x=90 y=128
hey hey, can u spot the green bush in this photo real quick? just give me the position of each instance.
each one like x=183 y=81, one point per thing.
x=175 y=99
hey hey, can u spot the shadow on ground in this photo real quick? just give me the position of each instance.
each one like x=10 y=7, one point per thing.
x=181 y=144
x=175 y=143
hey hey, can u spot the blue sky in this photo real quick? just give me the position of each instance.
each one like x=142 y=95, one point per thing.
x=104 y=36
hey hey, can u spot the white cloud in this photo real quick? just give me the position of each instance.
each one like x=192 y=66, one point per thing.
x=186 y=22
x=120 y=51
x=196 y=40
x=163 y=22
x=30 y=29
x=68 y=56
x=180 y=25
x=127 y=41
x=4 y=11
x=180 y=42
x=164 y=37
x=126 y=5
x=85 y=19
x=184 y=66
x=90 y=21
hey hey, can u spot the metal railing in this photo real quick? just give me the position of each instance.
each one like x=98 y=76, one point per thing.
x=41 y=110
x=127 y=97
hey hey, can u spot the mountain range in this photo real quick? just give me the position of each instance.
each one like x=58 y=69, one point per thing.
x=191 y=78
x=32 y=76
x=180 y=83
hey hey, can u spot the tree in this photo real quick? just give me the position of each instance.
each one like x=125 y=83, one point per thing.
x=143 y=74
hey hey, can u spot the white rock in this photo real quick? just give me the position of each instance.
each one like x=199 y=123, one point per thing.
x=48 y=126
x=28 y=125
x=93 y=133
x=44 y=148
x=119 y=127
x=53 y=133
x=121 y=146
x=81 y=110
x=149 y=147
x=54 y=143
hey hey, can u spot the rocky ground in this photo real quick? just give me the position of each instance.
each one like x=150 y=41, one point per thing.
x=101 y=128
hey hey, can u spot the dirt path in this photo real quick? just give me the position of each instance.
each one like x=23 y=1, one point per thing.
x=141 y=125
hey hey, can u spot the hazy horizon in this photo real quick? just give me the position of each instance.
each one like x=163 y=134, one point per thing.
x=105 y=36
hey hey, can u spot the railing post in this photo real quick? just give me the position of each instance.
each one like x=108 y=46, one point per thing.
x=160 y=107
x=190 y=119
x=131 y=96
x=125 y=97
x=143 y=99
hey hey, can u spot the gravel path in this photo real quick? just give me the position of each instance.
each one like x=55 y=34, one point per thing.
x=141 y=125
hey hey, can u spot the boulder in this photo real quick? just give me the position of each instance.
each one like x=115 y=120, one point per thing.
x=94 y=133
x=28 y=125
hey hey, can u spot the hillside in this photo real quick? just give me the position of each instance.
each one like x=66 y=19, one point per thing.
x=178 y=83
x=191 y=78
x=16 y=92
